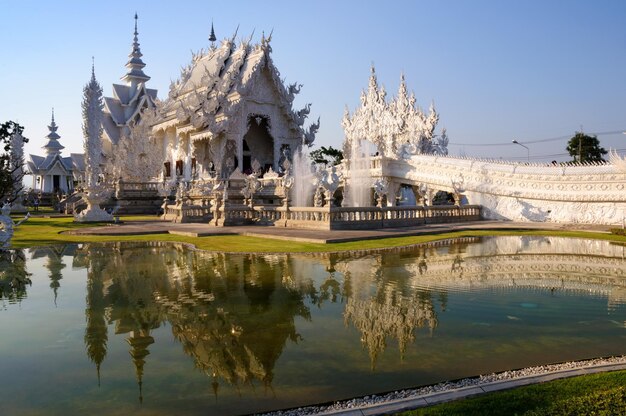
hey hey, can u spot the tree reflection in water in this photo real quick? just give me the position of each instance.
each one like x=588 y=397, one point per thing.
x=13 y=276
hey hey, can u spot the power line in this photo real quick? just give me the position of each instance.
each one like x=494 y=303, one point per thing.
x=550 y=156
x=552 y=139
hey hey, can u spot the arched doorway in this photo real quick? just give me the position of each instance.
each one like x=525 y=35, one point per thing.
x=258 y=143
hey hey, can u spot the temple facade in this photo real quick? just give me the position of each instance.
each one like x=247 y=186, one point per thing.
x=230 y=112
x=53 y=173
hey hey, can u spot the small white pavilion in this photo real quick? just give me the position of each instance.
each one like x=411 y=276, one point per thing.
x=54 y=173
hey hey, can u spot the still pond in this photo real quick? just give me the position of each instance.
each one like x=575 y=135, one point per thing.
x=130 y=328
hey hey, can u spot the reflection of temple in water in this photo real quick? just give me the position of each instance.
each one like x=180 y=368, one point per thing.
x=54 y=262
x=381 y=306
x=234 y=314
x=235 y=318
x=390 y=294
x=121 y=281
x=538 y=263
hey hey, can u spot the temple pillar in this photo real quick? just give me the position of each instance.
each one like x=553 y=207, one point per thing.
x=164 y=146
x=45 y=183
x=277 y=145
x=187 y=161
x=240 y=154
x=172 y=153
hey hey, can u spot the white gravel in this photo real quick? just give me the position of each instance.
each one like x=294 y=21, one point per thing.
x=445 y=386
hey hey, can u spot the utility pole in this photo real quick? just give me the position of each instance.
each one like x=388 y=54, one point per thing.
x=527 y=149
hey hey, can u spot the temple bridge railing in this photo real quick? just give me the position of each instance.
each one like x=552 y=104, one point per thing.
x=343 y=218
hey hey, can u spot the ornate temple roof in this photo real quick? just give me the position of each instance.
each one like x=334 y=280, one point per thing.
x=397 y=127
x=38 y=165
x=135 y=65
x=53 y=146
x=128 y=100
x=210 y=89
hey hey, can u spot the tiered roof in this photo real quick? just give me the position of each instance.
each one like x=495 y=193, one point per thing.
x=38 y=165
x=53 y=146
x=128 y=100
x=210 y=89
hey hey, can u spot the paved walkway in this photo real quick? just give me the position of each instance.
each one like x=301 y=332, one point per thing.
x=317 y=236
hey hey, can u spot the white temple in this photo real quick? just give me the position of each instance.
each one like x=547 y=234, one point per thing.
x=54 y=173
x=222 y=135
x=229 y=108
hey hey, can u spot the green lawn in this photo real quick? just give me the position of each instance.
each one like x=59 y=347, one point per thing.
x=597 y=394
x=39 y=231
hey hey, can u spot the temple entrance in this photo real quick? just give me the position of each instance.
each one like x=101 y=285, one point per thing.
x=258 y=144
x=56 y=183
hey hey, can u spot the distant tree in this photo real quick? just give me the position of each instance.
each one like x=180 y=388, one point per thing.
x=327 y=155
x=584 y=148
x=11 y=162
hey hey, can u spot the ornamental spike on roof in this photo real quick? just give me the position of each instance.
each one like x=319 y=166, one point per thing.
x=52 y=127
x=135 y=65
x=212 y=37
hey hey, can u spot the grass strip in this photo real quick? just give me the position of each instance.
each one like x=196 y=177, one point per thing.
x=595 y=394
x=42 y=231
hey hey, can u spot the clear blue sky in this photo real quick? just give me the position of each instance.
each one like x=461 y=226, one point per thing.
x=496 y=70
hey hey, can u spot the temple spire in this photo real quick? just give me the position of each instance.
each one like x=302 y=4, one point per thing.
x=212 y=37
x=135 y=65
x=52 y=146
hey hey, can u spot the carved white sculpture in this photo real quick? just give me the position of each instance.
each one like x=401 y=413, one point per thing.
x=398 y=128
x=165 y=190
x=412 y=154
x=252 y=184
x=16 y=166
x=617 y=161
x=141 y=148
x=591 y=194
x=329 y=179
x=97 y=191
x=6 y=232
x=381 y=189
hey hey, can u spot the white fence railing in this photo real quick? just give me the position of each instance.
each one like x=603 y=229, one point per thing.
x=343 y=218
